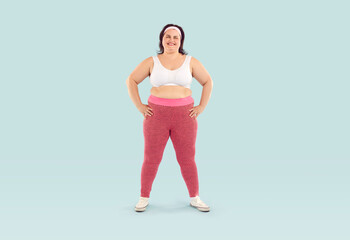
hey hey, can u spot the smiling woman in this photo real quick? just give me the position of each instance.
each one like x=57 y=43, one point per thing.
x=169 y=66
x=170 y=111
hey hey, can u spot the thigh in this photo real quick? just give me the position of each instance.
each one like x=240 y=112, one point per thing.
x=156 y=131
x=183 y=132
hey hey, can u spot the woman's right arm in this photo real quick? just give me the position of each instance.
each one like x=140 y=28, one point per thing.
x=135 y=78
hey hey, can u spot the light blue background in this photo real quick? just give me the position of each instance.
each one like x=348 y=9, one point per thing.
x=273 y=143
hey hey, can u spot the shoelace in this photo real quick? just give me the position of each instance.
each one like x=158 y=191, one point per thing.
x=200 y=202
x=143 y=200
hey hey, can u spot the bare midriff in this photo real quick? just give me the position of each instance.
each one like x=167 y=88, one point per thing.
x=171 y=91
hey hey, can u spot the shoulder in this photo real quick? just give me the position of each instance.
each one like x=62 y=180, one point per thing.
x=194 y=62
x=148 y=61
x=146 y=64
x=193 y=59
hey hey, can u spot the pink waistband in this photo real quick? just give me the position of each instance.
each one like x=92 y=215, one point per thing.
x=170 y=101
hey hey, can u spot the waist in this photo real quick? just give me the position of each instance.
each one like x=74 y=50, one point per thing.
x=171 y=101
x=171 y=91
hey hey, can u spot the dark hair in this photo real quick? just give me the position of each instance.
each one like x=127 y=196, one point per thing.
x=181 y=50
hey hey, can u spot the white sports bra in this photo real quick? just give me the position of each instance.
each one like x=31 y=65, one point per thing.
x=162 y=76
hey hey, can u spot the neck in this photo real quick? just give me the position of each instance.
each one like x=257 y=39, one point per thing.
x=171 y=54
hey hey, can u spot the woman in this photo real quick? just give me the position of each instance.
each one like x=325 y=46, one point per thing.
x=170 y=111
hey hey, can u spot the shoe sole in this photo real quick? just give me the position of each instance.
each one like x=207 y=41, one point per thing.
x=141 y=209
x=200 y=208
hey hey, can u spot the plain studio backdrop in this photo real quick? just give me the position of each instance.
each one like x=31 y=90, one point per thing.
x=272 y=148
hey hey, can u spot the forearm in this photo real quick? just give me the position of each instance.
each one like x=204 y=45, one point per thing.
x=134 y=92
x=206 y=93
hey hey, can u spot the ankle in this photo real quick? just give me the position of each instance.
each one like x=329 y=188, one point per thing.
x=192 y=198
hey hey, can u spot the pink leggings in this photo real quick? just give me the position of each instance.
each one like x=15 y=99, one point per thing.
x=171 y=118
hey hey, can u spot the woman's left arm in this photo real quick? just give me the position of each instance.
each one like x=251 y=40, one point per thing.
x=203 y=77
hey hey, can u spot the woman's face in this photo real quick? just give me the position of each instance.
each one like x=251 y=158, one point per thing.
x=171 y=40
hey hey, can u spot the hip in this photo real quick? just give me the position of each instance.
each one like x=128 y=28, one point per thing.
x=177 y=109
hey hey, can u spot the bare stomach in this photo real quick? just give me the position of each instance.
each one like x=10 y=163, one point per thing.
x=171 y=91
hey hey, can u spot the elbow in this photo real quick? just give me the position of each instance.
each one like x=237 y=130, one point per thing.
x=130 y=81
x=209 y=83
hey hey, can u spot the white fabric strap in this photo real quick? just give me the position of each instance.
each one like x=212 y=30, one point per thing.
x=172 y=27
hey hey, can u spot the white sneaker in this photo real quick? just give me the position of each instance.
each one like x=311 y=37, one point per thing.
x=199 y=204
x=142 y=204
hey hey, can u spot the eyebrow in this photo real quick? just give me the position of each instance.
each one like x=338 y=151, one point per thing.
x=169 y=35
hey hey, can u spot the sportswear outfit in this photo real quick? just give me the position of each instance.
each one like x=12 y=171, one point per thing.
x=171 y=119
